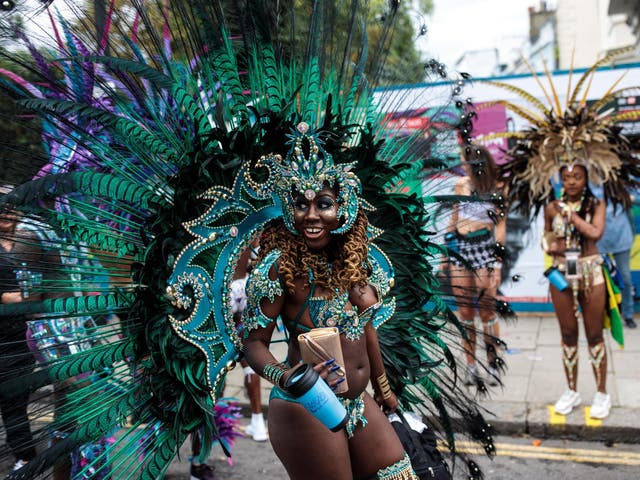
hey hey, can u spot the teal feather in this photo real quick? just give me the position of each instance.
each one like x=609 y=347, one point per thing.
x=142 y=140
x=99 y=357
x=163 y=455
x=312 y=92
x=70 y=305
x=89 y=183
x=227 y=71
x=272 y=77
x=100 y=425
x=73 y=69
x=186 y=104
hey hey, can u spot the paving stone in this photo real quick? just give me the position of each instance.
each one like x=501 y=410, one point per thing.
x=626 y=364
x=521 y=340
x=514 y=389
x=628 y=390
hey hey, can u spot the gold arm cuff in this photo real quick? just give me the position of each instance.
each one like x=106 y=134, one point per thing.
x=383 y=385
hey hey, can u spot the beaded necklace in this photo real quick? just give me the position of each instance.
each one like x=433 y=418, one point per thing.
x=572 y=235
x=573 y=242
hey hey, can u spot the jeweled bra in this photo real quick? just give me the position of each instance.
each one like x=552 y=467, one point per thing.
x=324 y=312
x=332 y=312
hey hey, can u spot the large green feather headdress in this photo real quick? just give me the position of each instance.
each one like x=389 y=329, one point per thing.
x=281 y=158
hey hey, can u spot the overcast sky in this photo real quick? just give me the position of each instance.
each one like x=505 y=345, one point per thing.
x=457 y=26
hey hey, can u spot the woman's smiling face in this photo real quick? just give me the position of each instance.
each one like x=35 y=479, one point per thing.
x=315 y=218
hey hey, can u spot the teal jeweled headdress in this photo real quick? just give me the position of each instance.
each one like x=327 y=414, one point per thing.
x=306 y=170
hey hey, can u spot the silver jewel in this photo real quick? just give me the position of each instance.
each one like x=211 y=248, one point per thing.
x=303 y=127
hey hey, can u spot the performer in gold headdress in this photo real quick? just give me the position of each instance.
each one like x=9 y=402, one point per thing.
x=581 y=143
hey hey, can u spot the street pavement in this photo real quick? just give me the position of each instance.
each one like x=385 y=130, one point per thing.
x=535 y=379
x=524 y=458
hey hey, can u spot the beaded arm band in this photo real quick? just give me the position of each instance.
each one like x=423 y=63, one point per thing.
x=383 y=385
x=273 y=373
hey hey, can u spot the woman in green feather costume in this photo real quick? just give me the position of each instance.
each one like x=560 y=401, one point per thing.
x=315 y=271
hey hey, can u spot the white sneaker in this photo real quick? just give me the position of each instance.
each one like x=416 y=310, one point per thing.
x=567 y=401
x=601 y=405
x=257 y=428
x=18 y=465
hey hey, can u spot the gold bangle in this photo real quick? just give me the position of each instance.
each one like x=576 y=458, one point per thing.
x=383 y=385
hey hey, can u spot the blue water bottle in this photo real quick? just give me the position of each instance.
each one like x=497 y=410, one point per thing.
x=316 y=396
x=556 y=278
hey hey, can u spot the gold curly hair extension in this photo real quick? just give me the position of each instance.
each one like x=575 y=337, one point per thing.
x=347 y=253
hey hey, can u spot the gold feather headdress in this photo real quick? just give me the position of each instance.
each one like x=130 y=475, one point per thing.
x=558 y=137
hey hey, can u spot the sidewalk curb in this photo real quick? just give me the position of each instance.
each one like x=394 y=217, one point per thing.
x=521 y=419
x=621 y=426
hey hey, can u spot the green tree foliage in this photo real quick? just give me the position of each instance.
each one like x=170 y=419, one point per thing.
x=404 y=63
x=392 y=28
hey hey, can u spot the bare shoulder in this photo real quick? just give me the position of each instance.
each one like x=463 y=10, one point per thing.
x=463 y=185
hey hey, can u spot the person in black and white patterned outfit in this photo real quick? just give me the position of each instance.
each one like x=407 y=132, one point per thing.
x=476 y=226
